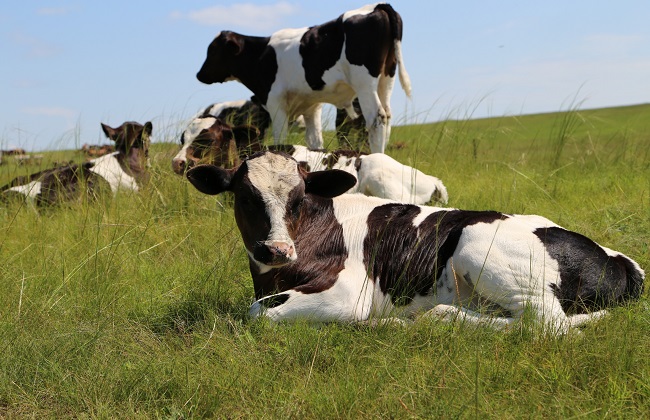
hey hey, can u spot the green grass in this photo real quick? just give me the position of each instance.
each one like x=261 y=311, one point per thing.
x=134 y=307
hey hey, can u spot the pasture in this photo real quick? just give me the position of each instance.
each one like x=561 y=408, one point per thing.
x=134 y=307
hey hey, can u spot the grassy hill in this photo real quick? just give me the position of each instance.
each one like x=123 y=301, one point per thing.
x=134 y=307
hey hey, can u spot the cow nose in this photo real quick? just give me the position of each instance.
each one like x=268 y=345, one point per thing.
x=282 y=250
x=178 y=165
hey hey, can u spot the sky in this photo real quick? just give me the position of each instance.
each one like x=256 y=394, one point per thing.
x=67 y=66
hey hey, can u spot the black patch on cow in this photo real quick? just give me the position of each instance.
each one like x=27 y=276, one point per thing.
x=321 y=252
x=61 y=184
x=332 y=158
x=250 y=59
x=370 y=39
x=320 y=49
x=409 y=260
x=275 y=300
x=590 y=279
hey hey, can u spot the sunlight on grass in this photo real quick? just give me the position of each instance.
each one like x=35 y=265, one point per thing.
x=135 y=306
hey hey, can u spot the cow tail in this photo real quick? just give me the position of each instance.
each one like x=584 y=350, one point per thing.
x=396 y=31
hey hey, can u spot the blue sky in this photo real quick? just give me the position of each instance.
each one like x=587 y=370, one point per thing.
x=69 y=65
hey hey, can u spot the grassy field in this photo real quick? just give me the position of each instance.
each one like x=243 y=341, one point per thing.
x=134 y=307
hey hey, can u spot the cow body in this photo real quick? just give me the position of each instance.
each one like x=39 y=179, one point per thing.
x=124 y=169
x=378 y=174
x=294 y=71
x=317 y=255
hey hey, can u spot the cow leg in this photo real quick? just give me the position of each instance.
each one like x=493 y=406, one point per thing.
x=280 y=121
x=451 y=313
x=376 y=120
x=384 y=92
x=314 y=127
x=347 y=300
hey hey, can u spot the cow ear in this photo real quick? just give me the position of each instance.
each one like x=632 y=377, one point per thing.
x=234 y=43
x=329 y=183
x=110 y=132
x=210 y=179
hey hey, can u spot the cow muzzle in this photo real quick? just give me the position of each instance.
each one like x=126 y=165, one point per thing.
x=275 y=253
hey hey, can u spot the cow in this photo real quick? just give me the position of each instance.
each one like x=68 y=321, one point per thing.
x=378 y=174
x=294 y=71
x=124 y=169
x=318 y=254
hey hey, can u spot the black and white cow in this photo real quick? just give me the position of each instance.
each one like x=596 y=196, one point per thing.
x=315 y=254
x=124 y=169
x=378 y=174
x=294 y=71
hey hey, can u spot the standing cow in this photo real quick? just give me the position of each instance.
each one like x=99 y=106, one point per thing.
x=294 y=71
x=315 y=254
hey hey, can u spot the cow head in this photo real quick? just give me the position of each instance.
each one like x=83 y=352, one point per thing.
x=221 y=51
x=130 y=135
x=269 y=189
x=210 y=140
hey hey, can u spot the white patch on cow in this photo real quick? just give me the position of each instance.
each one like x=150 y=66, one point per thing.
x=30 y=190
x=216 y=109
x=109 y=168
x=193 y=129
x=364 y=10
x=382 y=176
x=424 y=213
x=275 y=176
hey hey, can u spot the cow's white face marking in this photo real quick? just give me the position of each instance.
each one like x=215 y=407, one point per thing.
x=193 y=129
x=275 y=176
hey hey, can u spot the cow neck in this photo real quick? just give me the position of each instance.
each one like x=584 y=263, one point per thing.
x=134 y=162
x=256 y=69
x=318 y=238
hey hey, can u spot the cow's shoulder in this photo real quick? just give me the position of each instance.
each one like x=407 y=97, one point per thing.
x=320 y=49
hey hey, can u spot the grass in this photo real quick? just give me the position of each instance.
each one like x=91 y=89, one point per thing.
x=134 y=307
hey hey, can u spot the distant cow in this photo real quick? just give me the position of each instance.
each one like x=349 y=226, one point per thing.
x=123 y=169
x=378 y=174
x=12 y=152
x=315 y=254
x=294 y=71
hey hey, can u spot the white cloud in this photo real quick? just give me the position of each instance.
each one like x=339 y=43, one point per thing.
x=35 y=47
x=243 y=15
x=51 y=112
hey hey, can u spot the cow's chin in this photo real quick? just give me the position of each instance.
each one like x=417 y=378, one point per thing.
x=266 y=261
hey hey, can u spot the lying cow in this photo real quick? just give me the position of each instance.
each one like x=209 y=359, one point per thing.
x=294 y=71
x=378 y=174
x=123 y=169
x=316 y=254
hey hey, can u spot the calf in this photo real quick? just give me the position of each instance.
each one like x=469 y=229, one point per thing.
x=294 y=71
x=323 y=256
x=378 y=174
x=123 y=169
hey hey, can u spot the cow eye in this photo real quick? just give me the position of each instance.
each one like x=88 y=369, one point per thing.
x=295 y=208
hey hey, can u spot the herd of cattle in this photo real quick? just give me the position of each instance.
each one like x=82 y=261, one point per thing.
x=347 y=235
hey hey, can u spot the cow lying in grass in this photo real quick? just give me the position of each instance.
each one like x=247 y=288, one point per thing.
x=319 y=255
x=294 y=71
x=123 y=169
x=378 y=174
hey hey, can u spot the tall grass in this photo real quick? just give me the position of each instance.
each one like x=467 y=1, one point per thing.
x=134 y=307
